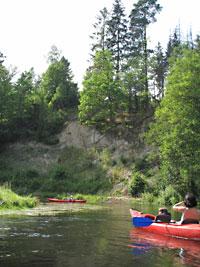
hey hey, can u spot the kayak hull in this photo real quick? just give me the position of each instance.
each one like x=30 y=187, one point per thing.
x=187 y=231
x=56 y=200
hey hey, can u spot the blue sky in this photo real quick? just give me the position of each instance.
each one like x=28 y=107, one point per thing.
x=30 y=27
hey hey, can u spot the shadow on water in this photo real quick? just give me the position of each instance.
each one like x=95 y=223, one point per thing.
x=99 y=238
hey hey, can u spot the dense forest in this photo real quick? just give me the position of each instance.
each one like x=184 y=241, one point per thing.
x=128 y=89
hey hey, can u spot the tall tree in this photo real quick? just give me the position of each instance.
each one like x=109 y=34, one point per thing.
x=142 y=14
x=174 y=44
x=117 y=38
x=54 y=55
x=177 y=125
x=100 y=32
x=158 y=70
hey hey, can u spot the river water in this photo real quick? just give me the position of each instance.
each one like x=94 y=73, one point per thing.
x=101 y=238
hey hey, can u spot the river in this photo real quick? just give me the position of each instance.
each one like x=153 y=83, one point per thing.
x=93 y=238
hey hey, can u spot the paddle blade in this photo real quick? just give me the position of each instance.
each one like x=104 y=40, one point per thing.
x=141 y=221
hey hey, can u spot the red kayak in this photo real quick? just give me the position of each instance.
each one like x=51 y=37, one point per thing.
x=56 y=200
x=145 y=223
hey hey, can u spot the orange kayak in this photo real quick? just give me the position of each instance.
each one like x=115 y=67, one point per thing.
x=56 y=200
x=187 y=231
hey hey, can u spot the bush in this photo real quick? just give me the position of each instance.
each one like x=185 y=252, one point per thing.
x=58 y=173
x=169 y=196
x=140 y=164
x=148 y=197
x=137 y=184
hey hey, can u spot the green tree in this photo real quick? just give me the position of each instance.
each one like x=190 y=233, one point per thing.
x=100 y=32
x=133 y=81
x=174 y=45
x=117 y=37
x=99 y=98
x=60 y=91
x=158 y=71
x=24 y=88
x=54 y=55
x=142 y=14
x=176 y=130
x=6 y=103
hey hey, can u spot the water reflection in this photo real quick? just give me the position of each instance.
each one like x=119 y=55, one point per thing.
x=188 y=251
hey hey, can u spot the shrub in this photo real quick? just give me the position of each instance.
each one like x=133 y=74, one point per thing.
x=137 y=184
x=58 y=173
x=169 y=196
x=148 y=197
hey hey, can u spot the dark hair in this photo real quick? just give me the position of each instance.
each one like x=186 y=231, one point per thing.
x=190 y=200
x=163 y=210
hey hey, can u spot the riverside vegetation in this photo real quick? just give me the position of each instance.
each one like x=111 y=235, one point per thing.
x=146 y=97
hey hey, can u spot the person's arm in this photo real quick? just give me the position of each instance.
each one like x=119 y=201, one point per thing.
x=180 y=206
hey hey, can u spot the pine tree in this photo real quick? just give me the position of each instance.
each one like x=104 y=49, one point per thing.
x=142 y=14
x=100 y=31
x=117 y=38
x=174 y=43
x=158 y=70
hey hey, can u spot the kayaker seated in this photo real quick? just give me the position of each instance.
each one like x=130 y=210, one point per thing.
x=190 y=214
x=163 y=216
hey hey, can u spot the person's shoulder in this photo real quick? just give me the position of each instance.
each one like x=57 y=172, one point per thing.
x=181 y=208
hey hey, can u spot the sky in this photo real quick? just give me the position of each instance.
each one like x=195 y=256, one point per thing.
x=29 y=28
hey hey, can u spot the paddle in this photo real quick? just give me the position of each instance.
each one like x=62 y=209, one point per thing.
x=141 y=221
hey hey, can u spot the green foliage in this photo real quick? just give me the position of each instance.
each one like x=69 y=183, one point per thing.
x=6 y=104
x=59 y=173
x=36 y=108
x=59 y=89
x=100 y=98
x=137 y=184
x=117 y=35
x=148 y=197
x=10 y=200
x=99 y=34
x=169 y=196
x=158 y=71
x=78 y=172
x=177 y=126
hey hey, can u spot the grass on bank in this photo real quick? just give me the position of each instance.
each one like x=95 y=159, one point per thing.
x=10 y=200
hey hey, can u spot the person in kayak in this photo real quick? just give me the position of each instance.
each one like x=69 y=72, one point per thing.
x=163 y=216
x=190 y=213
